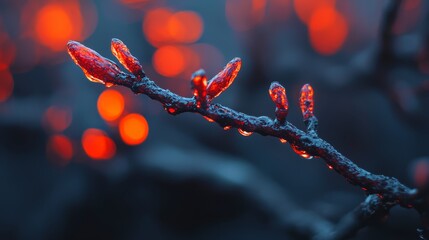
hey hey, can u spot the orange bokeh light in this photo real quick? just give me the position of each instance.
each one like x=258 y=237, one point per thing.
x=328 y=30
x=163 y=26
x=243 y=15
x=110 y=104
x=185 y=26
x=305 y=9
x=6 y=85
x=57 y=118
x=169 y=61
x=56 y=23
x=133 y=129
x=59 y=149
x=97 y=145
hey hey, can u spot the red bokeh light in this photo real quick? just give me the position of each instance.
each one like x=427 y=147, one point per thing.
x=110 y=104
x=59 y=149
x=163 y=26
x=305 y=9
x=97 y=145
x=57 y=118
x=169 y=61
x=133 y=129
x=328 y=30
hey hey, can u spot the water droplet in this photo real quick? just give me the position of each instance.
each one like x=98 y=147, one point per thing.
x=300 y=152
x=170 y=110
x=282 y=140
x=226 y=128
x=109 y=84
x=244 y=133
x=208 y=119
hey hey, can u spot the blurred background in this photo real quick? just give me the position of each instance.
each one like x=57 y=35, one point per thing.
x=81 y=161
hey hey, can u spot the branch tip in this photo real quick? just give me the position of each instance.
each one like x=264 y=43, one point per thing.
x=124 y=56
x=219 y=83
x=199 y=87
x=278 y=96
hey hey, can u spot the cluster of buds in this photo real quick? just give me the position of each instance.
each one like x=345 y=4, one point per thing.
x=306 y=102
x=100 y=69
x=204 y=91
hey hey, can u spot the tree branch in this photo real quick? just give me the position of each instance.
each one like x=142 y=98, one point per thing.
x=384 y=192
x=102 y=70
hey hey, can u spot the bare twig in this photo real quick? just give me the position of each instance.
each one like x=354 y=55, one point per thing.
x=100 y=69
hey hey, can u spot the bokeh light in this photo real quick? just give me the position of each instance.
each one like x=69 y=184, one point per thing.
x=59 y=149
x=56 y=24
x=163 y=26
x=110 y=104
x=57 y=119
x=328 y=30
x=185 y=26
x=98 y=145
x=305 y=9
x=169 y=61
x=133 y=129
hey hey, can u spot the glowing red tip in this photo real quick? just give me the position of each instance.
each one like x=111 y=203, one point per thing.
x=96 y=68
x=123 y=54
x=223 y=79
x=306 y=101
x=278 y=95
x=199 y=86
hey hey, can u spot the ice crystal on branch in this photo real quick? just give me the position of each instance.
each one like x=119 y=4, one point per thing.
x=199 y=86
x=306 y=101
x=96 y=68
x=123 y=54
x=278 y=95
x=219 y=83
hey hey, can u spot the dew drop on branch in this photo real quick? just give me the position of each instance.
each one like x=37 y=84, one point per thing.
x=244 y=133
x=300 y=152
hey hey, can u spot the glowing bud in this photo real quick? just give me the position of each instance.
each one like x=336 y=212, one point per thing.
x=282 y=140
x=226 y=128
x=306 y=101
x=199 y=86
x=96 y=68
x=278 y=95
x=244 y=133
x=223 y=79
x=123 y=54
